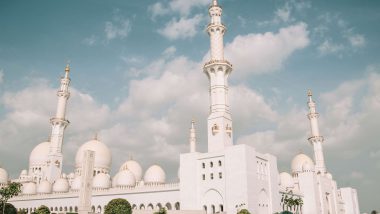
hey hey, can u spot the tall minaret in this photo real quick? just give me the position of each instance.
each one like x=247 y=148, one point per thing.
x=58 y=123
x=193 y=138
x=217 y=70
x=316 y=139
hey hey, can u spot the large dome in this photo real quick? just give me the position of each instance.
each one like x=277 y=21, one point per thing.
x=103 y=156
x=125 y=178
x=286 y=180
x=29 y=188
x=39 y=155
x=44 y=187
x=101 y=181
x=299 y=161
x=61 y=185
x=3 y=176
x=155 y=175
x=134 y=167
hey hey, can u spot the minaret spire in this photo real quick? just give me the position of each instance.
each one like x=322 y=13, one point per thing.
x=59 y=124
x=193 y=138
x=218 y=70
x=315 y=139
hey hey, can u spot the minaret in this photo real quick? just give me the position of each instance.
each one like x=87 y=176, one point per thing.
x=316 y=139
x=193 y=138
x=217 y=70
x=58 y=123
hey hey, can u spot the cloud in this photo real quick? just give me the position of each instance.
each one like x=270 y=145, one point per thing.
x=120 y=29
x=183 y=28
x=357 y=40
x=158 y=9
x=90 y=41
x=184 y=6
x=262 y=53
x=328 y=47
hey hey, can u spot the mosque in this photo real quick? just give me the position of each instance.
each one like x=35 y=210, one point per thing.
x=224 y=179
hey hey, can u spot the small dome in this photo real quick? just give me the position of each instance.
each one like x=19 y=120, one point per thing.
x=298 y=162
x=286 y=180
x=44 y=187
x=61 y=185
x=40 y=154
x=103 y=156
x=329 y=176
x=71 y=175
x=134 y=167
x=125 y=178
x=76 y=183
x=3 y=176
x=29 y=188
x=102 y=181
x=154 y=175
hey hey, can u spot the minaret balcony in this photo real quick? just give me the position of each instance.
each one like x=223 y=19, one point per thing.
x=217 y=62
x=315 y=139
x=57 y=121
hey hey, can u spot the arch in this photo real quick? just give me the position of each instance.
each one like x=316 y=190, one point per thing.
x=150 y=206
x=134 y=207
x=142 y=207
x=70 y=209
x=213 y=208
x=205 y=208
x=56 y=209
x=76 y=209
x=220 y=163
x=51 y=209
x=221 y=208
x=60 y=209
x=93 y=209
x=177 y=205
x=212 y=198
x=99 y=209
x=65 y=209
x=158 y=206
x=168 y=206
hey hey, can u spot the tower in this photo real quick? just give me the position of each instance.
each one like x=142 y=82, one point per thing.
x=316 y=139
x=218 y=70
x=59 y=124
x=193 y=138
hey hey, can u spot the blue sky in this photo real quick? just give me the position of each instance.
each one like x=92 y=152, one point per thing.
x=137 y=79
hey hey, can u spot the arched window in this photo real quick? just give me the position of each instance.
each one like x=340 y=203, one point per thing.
x=212 y=176
x=93 y=209
x=60 y=209
x=220 y=175
x=205 y=208
x=70 y=209
x=134 y=207
x=213 y=208
x=168 y=206
x=150 y=206
x=76 y=209
x=220 y=163
x=159 y=206
x=65 y=209
x=203 y=165
x=56 y=209
x=221 y=208
x=177 y=206
x=142 y=207
x=211 y=164
x=99 y=209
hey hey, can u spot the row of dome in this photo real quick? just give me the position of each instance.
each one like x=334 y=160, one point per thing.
x=124 y=178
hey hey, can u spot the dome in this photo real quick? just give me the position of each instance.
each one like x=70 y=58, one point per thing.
x=329 y=176
x=154 y=175
x=298 y=162
x=76 y=183
x=61 y=185
x=103 y=156
x=286 y=180
x=39 y=155
x=134 y=167
x=102 y=181
x=125 y=178
x=44 y=187
x=3 y=176
x=307 y=167
x=29 y=188
x=23 y=173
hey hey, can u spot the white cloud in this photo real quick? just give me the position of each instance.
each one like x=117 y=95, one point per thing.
x=261 y=53
x=90 y=41
x=328 y=47
x=158 y=9
x=119 y=29
x=184 y=6
x=357 y=40
x=183 y=28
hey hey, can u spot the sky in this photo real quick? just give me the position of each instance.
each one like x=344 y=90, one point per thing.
x=137 y=80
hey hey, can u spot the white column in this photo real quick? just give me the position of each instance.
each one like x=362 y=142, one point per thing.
x=85 y=192
x=59 y=124
x=218 y=70
x=316 y=139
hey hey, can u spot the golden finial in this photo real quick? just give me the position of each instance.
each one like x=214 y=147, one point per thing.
x=96 y=136
x=67 y=69
x=309 y=93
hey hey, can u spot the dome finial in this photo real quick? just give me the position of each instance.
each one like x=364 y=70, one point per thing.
x=309 y=93
x=67 y=69
x=96 y=136
x=214 y=2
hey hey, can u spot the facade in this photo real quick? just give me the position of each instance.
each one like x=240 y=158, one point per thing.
x=226 y=178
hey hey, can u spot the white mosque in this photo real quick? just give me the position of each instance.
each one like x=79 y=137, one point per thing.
x=224 y=179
